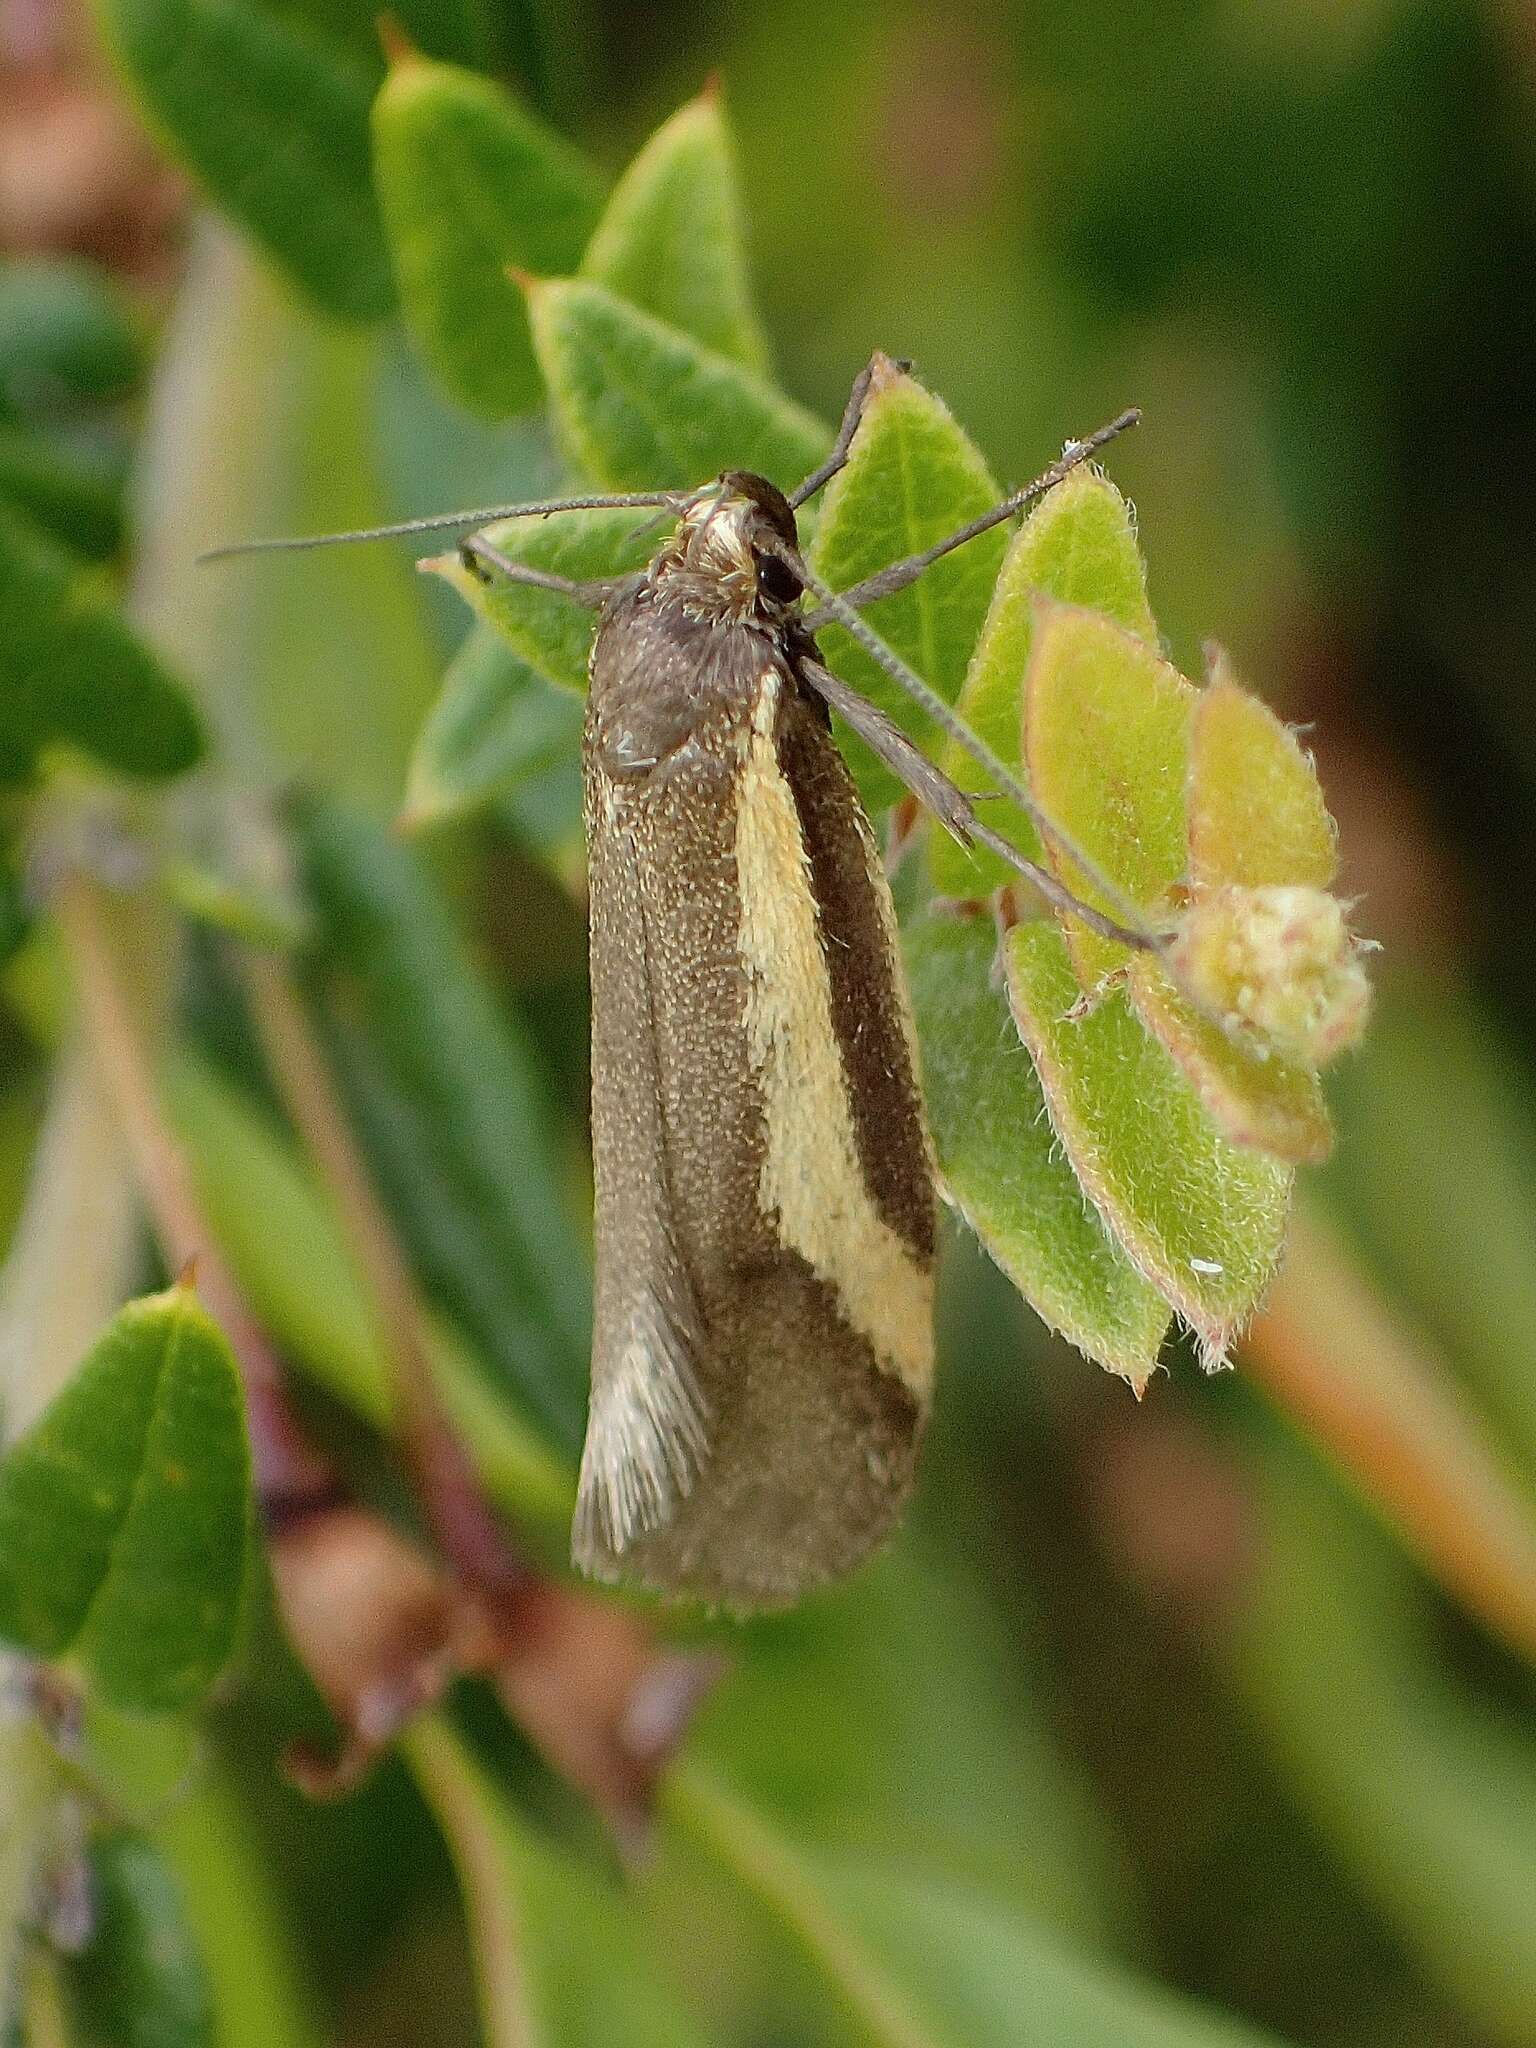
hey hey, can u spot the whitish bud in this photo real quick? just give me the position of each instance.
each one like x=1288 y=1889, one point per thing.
x=1279 y=963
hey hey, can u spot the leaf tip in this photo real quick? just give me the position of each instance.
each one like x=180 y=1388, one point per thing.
x=887 y=373
x=394 y=41
x=712 y=91
x=186 y=1279
x=525 y=280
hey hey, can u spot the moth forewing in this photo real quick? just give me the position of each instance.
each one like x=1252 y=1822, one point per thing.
x=762 y=1355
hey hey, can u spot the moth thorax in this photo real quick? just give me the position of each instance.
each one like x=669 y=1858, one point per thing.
x=718 y=567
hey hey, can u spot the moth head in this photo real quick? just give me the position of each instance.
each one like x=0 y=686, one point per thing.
x=725 y=560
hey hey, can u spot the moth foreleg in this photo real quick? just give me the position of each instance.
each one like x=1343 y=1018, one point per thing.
x=481 y=557
x=853 y=412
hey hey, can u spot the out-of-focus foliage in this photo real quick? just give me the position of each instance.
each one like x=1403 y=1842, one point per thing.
x=1207 y=1719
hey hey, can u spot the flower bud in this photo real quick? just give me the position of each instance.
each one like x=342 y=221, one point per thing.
x=1279 y=963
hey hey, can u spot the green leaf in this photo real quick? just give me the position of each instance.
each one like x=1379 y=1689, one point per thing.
x=71 y=671
x=1078 y=545
x=671 y=239
x=1252 y=1095
x=471 y=183
x=543 y=629
x=65 y=336
x=1423 y=1788
x=495 y=725
x=79 y=508
x=586 y=1974
x=139 y=1981
x=912 y=478
x=917 y=1960
x=125 y=1511
x=459 y=1111
x=1203 y=1219
x=272 y=118
x=1001 y=1163
x=1256 y=810
x=1106 y=738
x=640 y=405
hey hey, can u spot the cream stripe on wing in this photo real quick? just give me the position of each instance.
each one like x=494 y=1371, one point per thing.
x=812 y=1178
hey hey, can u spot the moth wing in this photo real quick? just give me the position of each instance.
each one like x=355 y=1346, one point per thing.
x=647 y=1428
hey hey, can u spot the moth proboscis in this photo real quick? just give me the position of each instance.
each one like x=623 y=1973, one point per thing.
x=762 y=1356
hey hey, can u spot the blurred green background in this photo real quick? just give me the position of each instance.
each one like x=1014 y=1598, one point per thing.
x=1154 y=1673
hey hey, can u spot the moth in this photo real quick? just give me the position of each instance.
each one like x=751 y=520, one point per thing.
x=762 y=1358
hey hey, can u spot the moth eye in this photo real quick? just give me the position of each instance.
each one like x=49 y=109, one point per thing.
x=777 y=580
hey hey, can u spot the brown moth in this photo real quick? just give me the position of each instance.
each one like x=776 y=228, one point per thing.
x=762 y=1356
x=763 y=1350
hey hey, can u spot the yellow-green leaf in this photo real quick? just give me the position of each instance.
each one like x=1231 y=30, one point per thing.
x=1256 y=810
x=1078 y=545
x=1106 y=739
x=1256 y=1099
x=547 y=631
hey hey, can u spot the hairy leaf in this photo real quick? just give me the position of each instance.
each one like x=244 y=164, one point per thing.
x=1256 y=811
x=1202 y=1219
x=495 y=725
x=1001 y=1161
x=1256 y=1099
x=549 y=632
x=913 y=476
x=1106 y=738
x=640 y=404
x=1078 y=545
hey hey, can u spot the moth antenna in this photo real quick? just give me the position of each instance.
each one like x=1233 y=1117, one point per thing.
x=1134 y=930
x=485 y=515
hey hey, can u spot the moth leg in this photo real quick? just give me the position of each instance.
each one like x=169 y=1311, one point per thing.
x=949 y=803
x=899 y=574
x=906 y=761
x=853 y=412
x=485 y=562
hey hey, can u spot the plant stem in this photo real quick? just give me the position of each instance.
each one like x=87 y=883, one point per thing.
x=465 y=1525
x=286 y=1467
